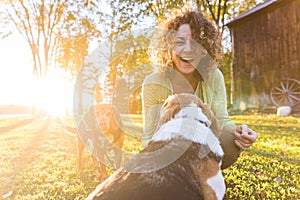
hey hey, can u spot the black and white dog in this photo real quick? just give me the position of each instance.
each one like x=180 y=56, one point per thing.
x=182 y=161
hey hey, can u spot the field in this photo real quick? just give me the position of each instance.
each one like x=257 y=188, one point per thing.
x=38 y=161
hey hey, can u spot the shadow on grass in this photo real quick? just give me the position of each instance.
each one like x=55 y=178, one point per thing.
x=26 y=155
x=16 y=125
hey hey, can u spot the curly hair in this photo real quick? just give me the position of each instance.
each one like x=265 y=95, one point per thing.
x=204 y=32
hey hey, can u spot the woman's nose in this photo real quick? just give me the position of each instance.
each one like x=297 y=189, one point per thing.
x=187 y=46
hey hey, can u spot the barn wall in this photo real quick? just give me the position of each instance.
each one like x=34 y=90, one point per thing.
x=266 y=50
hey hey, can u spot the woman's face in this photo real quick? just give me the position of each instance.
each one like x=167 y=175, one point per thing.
x=187 y=52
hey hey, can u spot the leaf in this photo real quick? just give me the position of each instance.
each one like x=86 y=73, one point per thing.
x=278 y=179
x=4 y=196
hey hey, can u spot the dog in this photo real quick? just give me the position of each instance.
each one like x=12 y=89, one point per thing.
x=99 y=130
x=182 y=161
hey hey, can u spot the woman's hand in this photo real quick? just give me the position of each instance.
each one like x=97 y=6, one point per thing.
x=244 y=136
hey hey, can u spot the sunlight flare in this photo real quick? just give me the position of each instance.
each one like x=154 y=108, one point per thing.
x=53 y=95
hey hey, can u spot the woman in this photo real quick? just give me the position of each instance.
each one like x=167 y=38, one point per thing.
x=188 y=65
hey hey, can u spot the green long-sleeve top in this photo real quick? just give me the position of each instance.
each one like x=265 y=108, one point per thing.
x=156 y=88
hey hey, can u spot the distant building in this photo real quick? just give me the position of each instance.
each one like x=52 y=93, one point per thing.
x=266 y=52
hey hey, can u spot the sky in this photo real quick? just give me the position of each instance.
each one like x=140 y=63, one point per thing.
x=16 y=70
x=18 y=85
x=16 y=77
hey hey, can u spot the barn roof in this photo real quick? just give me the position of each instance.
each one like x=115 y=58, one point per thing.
x=253 y=10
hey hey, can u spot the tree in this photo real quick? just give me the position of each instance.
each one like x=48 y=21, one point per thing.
x=220 y=11
x=58 y=32
x=113 y=21
x=117 y=21
x=71 y=53
x=4 y=30
x=130 y=64
x=49 y=25
x=37 y=22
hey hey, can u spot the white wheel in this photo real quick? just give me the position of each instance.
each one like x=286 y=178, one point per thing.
x=286 y=93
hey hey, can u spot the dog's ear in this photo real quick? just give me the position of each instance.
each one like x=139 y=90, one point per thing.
x=205 y=108
x=215 y=125
x=168 y=110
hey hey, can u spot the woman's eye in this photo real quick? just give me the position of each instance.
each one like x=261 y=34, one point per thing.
x=179 y=43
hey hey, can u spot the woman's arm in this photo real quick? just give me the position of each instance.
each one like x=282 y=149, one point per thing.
x=149 y=112
x=219 y=107
x=233 y=138
x=154 y=92
x=219 y=99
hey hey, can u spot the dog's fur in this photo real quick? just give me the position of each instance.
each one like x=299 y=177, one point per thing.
x=194 y=174
x=111 y=131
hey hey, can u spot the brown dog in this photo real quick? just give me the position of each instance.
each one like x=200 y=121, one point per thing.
x=182 y=161
x=99 y=130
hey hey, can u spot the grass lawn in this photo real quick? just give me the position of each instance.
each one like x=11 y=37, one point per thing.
x=38 y=161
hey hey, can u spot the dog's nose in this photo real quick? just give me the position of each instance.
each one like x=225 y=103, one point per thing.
x=208 y=123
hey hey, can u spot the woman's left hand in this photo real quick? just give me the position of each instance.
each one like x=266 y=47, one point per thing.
x=244 y=136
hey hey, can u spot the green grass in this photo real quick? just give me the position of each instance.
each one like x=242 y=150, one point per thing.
x=38 y=161
x=270 y=169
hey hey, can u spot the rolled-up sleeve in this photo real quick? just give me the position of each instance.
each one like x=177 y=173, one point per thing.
x=154 y=93
x=219 y=99
x=219 y=107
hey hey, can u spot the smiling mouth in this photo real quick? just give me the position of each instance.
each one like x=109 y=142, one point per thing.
x=186 y=59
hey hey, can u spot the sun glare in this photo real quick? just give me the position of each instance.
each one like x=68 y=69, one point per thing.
x=53 y=95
